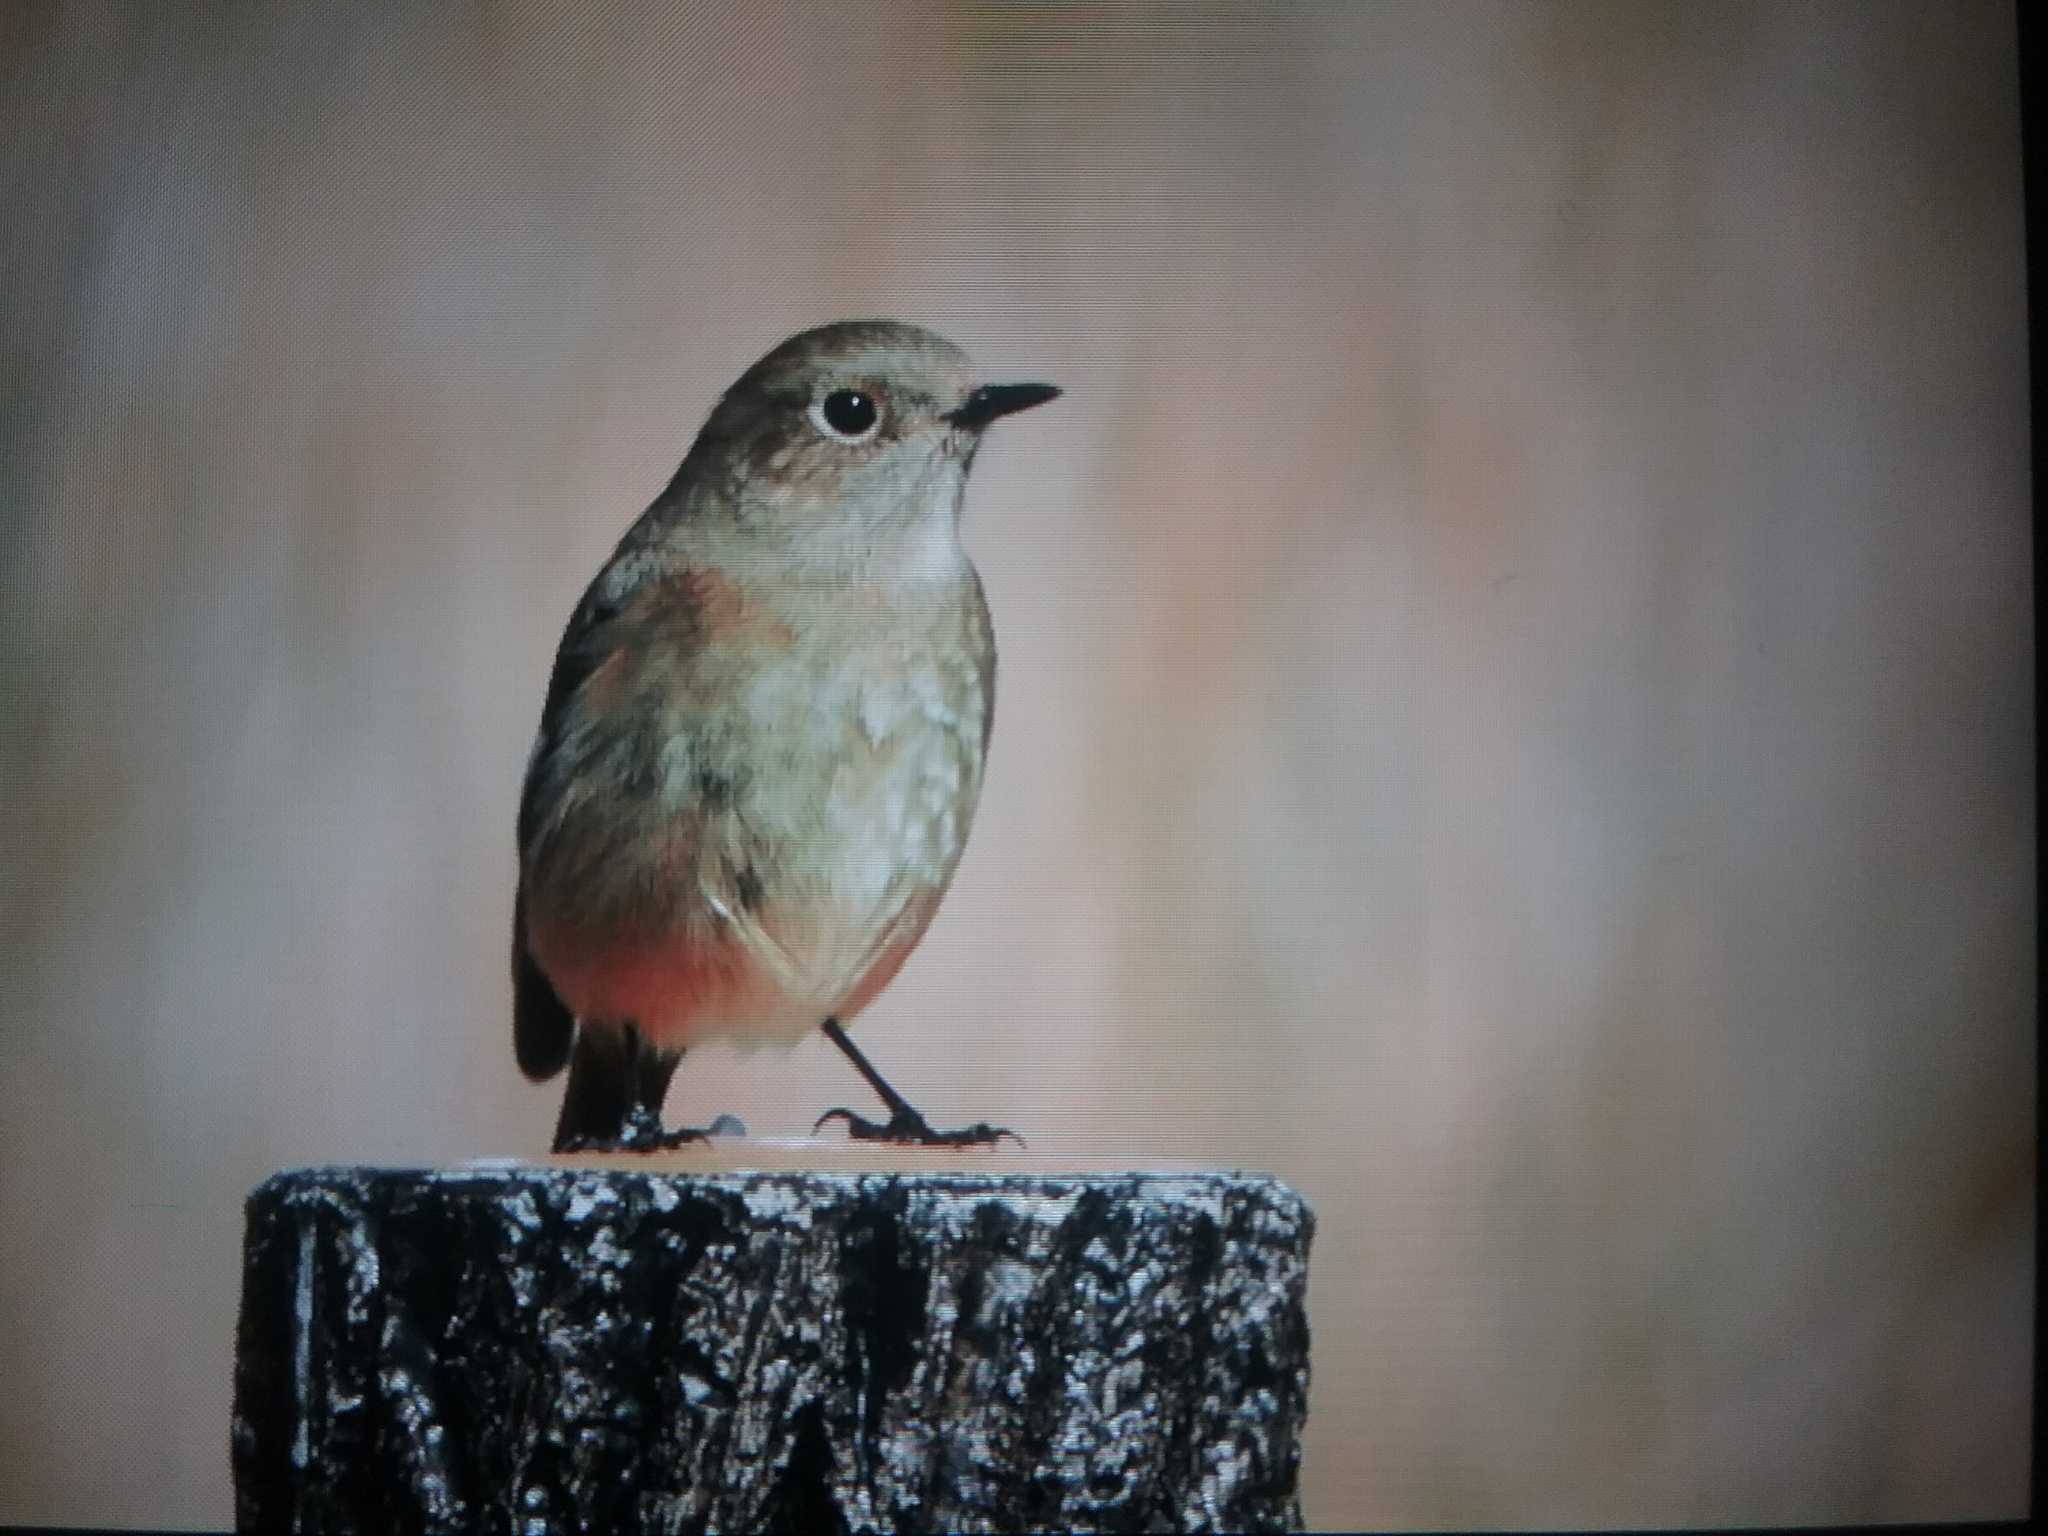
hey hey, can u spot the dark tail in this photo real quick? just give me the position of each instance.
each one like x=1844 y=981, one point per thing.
x=611 y=1072
x=542 y=1025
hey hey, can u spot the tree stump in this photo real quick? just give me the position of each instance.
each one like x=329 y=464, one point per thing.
x=613 y=1345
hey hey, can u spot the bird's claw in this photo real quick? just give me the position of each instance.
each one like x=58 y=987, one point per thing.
x=910 y=1129
x=644 y=1132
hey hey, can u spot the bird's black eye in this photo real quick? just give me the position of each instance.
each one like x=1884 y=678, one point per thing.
x=847 y=414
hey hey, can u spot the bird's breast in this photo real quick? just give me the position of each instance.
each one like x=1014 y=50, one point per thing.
x=870 y=767
x=770 y=847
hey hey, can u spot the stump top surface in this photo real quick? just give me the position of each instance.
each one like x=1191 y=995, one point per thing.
x=742 y=1155
x=740 y=1161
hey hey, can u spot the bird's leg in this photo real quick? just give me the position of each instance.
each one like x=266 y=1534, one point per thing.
x=905 y=1125
x=641 y=1077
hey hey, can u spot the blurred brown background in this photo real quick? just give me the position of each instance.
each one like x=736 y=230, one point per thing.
x=1516 y=686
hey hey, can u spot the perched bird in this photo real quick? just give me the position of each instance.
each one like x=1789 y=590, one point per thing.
x=763 y=737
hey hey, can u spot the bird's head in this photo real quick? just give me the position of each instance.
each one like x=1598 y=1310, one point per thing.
x=849 y=437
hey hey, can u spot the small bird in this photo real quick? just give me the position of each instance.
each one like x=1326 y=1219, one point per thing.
x=763 y=738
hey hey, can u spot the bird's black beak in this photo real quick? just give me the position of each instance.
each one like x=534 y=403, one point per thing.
x=993 y=400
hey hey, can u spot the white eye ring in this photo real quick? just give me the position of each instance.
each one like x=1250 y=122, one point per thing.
x=847 y=415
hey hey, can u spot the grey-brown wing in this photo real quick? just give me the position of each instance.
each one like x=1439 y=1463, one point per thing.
x=543 y=1029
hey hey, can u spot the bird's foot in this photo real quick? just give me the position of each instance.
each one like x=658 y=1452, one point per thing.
x=909 y=1129
x=644 y=1132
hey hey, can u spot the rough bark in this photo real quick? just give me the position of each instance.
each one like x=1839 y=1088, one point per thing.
x=554 y=1348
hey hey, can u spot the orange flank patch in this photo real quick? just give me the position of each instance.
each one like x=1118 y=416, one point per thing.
x=721 y=609
x=600 y=690
x=662 y=626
